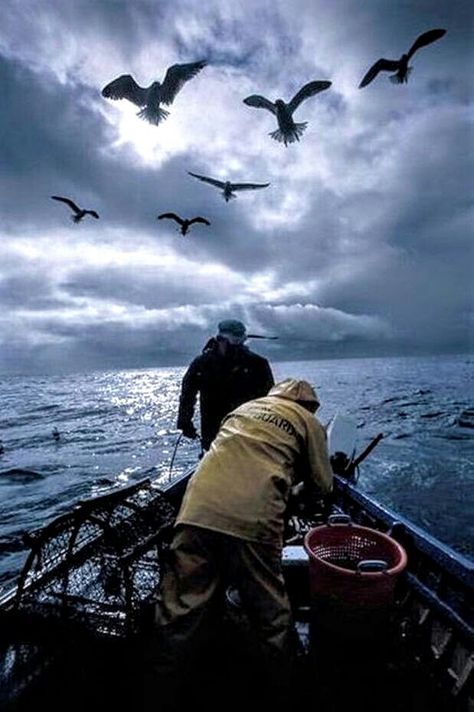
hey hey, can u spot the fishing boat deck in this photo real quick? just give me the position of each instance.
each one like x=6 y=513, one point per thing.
x=332 y=673
x=75 y=634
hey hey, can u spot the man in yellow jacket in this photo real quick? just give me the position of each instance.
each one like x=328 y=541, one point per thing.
x=230 y=527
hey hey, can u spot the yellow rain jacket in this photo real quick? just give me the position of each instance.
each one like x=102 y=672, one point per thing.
x=262 y=449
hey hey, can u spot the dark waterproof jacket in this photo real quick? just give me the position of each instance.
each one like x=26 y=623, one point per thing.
x=223 y=383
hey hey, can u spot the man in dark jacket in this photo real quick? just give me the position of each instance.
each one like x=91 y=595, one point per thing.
x=225 y=375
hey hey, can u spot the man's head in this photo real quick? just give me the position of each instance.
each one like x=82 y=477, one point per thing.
x=232 y=330
x=297 y=390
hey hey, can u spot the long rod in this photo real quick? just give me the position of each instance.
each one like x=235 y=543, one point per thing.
x=178 y=440
x=355 y=463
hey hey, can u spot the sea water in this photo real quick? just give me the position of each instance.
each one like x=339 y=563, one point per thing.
x=116 y=427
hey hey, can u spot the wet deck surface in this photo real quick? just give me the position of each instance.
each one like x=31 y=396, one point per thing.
x=342 y=664
x=332 y=674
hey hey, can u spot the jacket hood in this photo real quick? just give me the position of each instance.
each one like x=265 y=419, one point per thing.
x=295 y=390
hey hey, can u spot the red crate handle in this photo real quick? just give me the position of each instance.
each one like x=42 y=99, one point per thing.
x=372 y=566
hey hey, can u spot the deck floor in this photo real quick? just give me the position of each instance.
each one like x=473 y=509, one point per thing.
x=332 y=674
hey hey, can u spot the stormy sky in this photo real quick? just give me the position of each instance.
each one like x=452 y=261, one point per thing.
x=362 y=245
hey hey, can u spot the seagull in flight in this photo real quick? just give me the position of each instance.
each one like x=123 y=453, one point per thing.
x=227 y=187
x=79 y=213
x=288 y=131
x=184 y=224
x=150 y=98
x=400 y=66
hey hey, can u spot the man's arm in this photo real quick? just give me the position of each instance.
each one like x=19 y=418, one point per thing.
x=319 y=466
x=268 y=375
x=264 y=378
x=187 y=401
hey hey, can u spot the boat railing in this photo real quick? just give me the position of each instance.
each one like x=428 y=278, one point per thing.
x=435 y=602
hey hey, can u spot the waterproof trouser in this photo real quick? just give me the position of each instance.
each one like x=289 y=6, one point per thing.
x=202 y=564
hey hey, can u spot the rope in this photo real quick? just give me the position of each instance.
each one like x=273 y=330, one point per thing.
x=178 y=440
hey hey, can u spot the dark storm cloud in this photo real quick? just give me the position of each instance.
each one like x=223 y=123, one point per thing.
x=62 y=152
x=423 y=280
x=50 y=144
x=361 y=243
x=219 y=39
x=155 y=289
x=39 y=29
x=28 y=291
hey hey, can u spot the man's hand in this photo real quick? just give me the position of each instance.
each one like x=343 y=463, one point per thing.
x=189 y=431
x=305 y=500
x=296 y=499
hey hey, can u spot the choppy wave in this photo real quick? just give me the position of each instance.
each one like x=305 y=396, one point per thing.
x=466 y=418
x=18 y=474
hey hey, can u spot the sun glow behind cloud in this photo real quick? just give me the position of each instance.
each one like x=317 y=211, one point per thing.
x=151 y=148
x=371 y=201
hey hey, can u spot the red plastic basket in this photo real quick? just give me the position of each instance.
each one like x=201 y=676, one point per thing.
x=353 y=565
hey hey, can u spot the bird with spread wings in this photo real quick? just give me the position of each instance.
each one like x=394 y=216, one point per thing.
x=288 y=131
x=400 y=66
x=182 y=222
x=227 y=187
x=150 y=98
x=79 y=213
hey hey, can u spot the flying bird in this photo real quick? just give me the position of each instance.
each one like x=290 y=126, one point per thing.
x=79 y=213
x=288 y=131
x=228 y=188
x=400 y=66
x=125 y=87
x=184 y=224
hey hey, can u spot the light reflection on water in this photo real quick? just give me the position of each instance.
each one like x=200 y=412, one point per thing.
x=119 y=426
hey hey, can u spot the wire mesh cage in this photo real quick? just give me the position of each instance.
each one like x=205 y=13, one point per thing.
x=95 y=568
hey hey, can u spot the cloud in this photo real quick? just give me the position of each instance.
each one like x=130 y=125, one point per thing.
x=361 y=244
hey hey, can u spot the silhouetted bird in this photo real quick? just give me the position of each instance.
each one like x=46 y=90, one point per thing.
x=288 y=131
x=400 y=66
x=228 y=187
x=125 y=87
x=79 y=213
x=185 y=224
x=56 y=434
